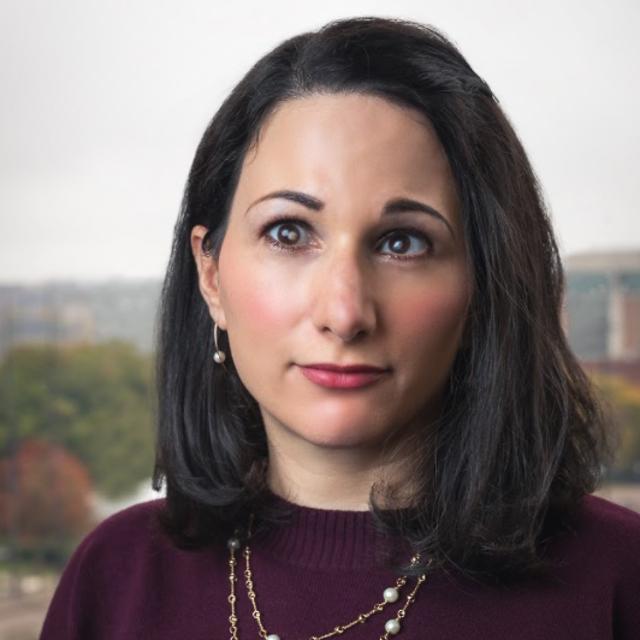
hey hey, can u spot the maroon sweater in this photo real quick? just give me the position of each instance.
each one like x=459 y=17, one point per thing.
x=126 y=580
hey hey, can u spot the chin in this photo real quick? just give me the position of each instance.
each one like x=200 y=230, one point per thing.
x=340 y=438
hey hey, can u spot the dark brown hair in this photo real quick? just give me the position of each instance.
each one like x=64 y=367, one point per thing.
x=521 y=437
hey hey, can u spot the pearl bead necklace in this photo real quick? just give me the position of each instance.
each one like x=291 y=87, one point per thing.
x=389 y=595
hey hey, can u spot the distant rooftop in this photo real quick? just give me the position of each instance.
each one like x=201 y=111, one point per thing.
x=621 y=260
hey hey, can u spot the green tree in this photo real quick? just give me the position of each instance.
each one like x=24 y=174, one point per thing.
x=93 y=400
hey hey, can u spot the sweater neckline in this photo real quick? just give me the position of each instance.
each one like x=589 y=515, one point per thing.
x=328 y=539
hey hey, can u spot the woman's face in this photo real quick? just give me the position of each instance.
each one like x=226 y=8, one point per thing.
x=356 y=275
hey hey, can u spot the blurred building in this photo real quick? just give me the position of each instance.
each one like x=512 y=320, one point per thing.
x=72 y=313
x=602 y=310
x=60 y=324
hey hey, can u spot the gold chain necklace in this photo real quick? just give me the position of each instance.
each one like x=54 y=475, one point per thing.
x=390 y=594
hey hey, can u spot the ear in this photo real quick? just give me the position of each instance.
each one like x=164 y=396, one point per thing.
x=208 y=276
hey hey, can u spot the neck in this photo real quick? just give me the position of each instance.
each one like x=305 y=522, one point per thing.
x=335 y=481
x=321 y=477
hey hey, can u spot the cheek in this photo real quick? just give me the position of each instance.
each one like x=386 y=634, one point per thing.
x=428 y=334
x=433 y=320
x=255 y=301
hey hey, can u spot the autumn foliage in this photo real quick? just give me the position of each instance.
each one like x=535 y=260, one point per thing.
x=45 y=495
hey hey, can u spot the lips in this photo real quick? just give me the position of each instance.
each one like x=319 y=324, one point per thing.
x=345 y=377
x=350 y=368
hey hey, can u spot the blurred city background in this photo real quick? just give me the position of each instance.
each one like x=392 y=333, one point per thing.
x=103 y=105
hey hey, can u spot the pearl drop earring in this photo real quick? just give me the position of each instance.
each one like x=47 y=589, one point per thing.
x=218 y=356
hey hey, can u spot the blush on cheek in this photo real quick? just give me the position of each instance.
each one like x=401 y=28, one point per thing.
x=440 y=310
x=428 y=331
x=253 y=297
x=435 y=317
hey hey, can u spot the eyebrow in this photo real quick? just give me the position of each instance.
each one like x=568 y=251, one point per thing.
x=395 y=205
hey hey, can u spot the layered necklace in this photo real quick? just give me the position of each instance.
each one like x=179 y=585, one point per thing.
x=389 y=595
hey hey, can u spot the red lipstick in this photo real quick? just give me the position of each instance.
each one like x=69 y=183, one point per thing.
x=342 y=377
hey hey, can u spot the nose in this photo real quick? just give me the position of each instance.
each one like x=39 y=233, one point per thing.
x=342 y=296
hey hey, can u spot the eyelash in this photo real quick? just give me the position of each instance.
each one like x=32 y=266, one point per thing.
x=296 y=221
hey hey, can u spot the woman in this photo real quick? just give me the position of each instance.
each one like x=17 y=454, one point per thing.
x=369 y=419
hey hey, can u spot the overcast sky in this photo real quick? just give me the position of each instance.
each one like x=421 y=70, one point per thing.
x=103 y=103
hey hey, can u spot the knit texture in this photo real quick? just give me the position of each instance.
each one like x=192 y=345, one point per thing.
x=127 y=581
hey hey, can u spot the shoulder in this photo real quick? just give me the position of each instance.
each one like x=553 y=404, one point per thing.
x=133 y=523
x=107 y=569
x=600 y=517
x=115 y=579
x=611 y=547
x=126 y=540
x=122 y=535
x=604 y=536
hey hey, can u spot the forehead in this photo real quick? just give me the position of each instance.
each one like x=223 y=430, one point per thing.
x=345 y=116
x=335 y=143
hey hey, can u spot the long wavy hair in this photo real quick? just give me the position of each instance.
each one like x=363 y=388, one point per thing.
x=521 y=437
